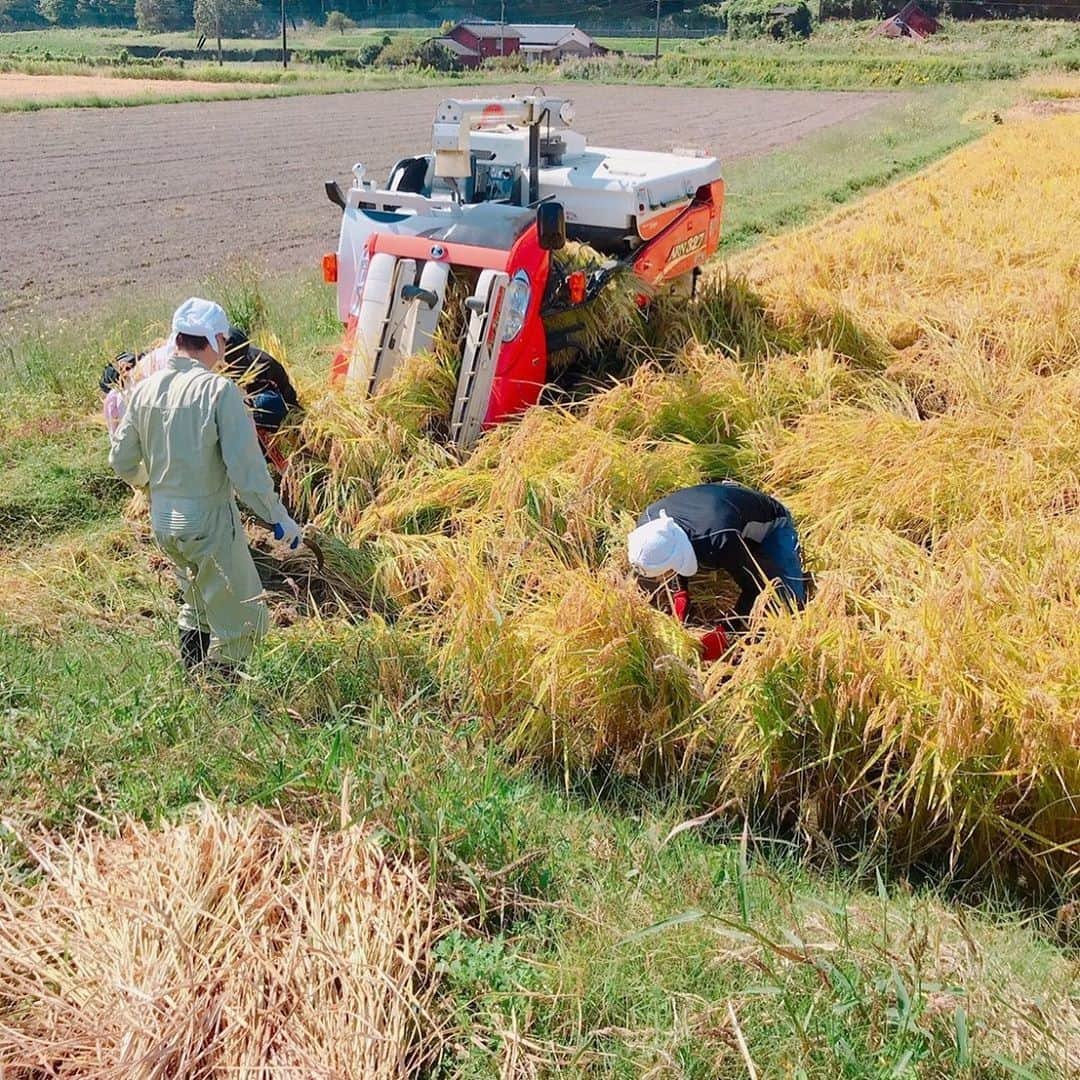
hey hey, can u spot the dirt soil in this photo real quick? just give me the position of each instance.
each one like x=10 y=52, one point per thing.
x=96 y=202
x=15 y=87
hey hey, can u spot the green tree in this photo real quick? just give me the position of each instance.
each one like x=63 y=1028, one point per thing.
x=104 y=12
x=754 y=18
x=336 y=20
x=19 y=15
x=58 y=12
x=225 y=18
x=157 y=16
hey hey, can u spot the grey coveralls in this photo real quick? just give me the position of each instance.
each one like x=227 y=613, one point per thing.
x=188 y=435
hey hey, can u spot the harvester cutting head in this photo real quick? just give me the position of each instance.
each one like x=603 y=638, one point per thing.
x=506 y=182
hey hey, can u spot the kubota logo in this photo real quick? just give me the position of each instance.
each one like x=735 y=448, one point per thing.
x=687 y=247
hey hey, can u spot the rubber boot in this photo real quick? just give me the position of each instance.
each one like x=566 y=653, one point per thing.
x=194 y=646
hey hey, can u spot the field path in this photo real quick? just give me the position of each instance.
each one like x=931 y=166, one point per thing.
x=99 y=201
x=16 y=87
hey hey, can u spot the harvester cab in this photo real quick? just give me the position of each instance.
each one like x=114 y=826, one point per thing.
x=464 y=236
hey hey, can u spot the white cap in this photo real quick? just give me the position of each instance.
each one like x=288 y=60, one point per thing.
x=201 y=318
x=660 y=546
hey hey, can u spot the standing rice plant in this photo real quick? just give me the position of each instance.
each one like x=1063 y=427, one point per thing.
x=577 y=668
x=904 y=378
x=922 y=703
x=965 y=270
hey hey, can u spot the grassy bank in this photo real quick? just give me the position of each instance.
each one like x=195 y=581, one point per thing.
x=787 y=187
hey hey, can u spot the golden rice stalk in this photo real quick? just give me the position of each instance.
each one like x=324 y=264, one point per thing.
x=924 y=700
x=348 y=445
x=923 y=478
x=968 y=270
x=552 y=473
x=576 y=667
x=231 y=944
x=270 y=342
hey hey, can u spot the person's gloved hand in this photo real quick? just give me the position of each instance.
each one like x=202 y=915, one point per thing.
x=288 y=531
x=680 y=603
x=713 y=644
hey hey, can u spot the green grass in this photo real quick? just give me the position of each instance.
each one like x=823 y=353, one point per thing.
x=840 y=56
x=768 y=194
x=620 y=951
x=89 y=41
x=54 y=483
x=625 y=948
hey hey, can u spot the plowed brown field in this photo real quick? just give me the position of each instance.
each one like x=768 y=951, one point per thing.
x=98 y=201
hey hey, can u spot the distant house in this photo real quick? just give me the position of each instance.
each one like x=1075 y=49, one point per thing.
x=550 y=43
x=473 y=42
x=909 y=21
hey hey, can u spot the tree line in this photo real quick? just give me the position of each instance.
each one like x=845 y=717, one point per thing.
x=240 y=18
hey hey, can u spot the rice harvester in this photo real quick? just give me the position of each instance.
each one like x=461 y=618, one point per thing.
x=474 y=223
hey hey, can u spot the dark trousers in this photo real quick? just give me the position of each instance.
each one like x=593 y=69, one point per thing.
x=268 y=409
x=775 y=559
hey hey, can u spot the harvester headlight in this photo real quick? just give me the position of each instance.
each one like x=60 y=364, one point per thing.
x=518 y=293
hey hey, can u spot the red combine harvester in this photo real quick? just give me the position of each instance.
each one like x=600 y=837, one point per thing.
x=475 y=222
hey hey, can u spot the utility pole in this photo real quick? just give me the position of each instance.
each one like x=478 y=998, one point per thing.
x=502 y=27
x=284 y=39
x=217 y=27
x=656 y=55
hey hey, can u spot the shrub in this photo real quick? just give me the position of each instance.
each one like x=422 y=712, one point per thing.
x=366 y=55
x=513 y=62
x=752 y=18
x=407 y=51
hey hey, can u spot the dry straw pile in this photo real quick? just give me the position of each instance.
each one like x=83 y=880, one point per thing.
x=906 y=377
x=227 y=946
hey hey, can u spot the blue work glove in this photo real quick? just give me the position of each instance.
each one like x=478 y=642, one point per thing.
x=288 y=531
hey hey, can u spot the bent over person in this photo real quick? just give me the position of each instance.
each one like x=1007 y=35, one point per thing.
x=187 y=434
x=723 y=526
x=262 y=378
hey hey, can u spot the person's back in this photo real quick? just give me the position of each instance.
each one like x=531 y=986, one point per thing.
x=255 y=371
x=721 y=526
x=187 y=435
x=175 y=413
x=712 y=515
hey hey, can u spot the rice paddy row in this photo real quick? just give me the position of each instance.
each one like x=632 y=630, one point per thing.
x=905 y=378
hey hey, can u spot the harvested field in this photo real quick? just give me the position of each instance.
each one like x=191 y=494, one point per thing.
x=15 y=87
x=99 y=201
